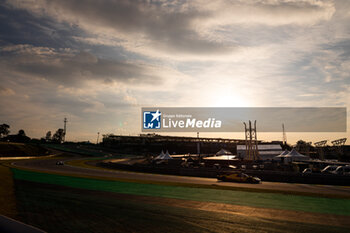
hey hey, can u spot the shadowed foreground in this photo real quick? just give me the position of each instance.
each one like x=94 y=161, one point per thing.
x=62 y=209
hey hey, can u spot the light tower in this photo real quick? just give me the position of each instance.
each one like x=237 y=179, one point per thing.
x=320 y=147
x=284 y=135
x=98 y=136
x=251 y=143
x=64 y=129
x=338 y=145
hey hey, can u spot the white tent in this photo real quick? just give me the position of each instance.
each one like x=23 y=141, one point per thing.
x=163 y=156
x=223 y=152
x=283 y=154
x=167 y=156
x=160 y=156
x=295 y=155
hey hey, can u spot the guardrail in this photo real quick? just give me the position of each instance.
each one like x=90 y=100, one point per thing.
x=13 y=226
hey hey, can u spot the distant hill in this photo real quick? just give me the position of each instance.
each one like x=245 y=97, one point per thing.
x=12 y=149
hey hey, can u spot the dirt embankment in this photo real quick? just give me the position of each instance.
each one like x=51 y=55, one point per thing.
x=11 y=149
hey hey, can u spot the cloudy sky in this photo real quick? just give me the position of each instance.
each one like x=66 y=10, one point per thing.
x=98 y=62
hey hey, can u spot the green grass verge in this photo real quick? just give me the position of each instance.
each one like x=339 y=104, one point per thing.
x=254 y=199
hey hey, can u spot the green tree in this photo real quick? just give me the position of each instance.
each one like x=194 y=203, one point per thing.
x=58 y=136
x=48 y=136
x=4 y=130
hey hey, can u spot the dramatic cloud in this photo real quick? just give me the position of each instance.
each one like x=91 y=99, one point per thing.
x=69 y=67
x=265 y=12
x=6 y=91
x=167 y=28
x=155 y=24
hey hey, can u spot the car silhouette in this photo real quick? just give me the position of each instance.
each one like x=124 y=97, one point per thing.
x=238 y=177
x=329 y=169
x=59 y=163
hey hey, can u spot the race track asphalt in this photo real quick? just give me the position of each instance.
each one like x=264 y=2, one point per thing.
x=49 y=165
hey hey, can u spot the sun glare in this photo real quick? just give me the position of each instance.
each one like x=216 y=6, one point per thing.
x=228 y=97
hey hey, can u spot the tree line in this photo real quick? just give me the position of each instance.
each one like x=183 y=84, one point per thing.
x=21 y=136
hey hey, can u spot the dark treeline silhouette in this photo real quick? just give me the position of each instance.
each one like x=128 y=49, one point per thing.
x=19 y=137
x=22 y=137
x=57 y=137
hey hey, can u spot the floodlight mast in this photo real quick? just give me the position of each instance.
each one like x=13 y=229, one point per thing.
x=338 y=145
x=64 y=129
x=251 y=142
x=320 y=147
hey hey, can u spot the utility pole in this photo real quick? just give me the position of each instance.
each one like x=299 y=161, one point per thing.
x=64 y=129
x=198 y=147
x=98 y=135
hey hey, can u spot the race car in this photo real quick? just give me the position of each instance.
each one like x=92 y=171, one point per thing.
x=239 y=177
x=59 y=163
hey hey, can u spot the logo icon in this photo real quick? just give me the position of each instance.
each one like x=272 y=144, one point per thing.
x=151 y=120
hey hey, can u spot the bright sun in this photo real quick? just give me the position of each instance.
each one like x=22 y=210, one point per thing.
x=227 y=97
